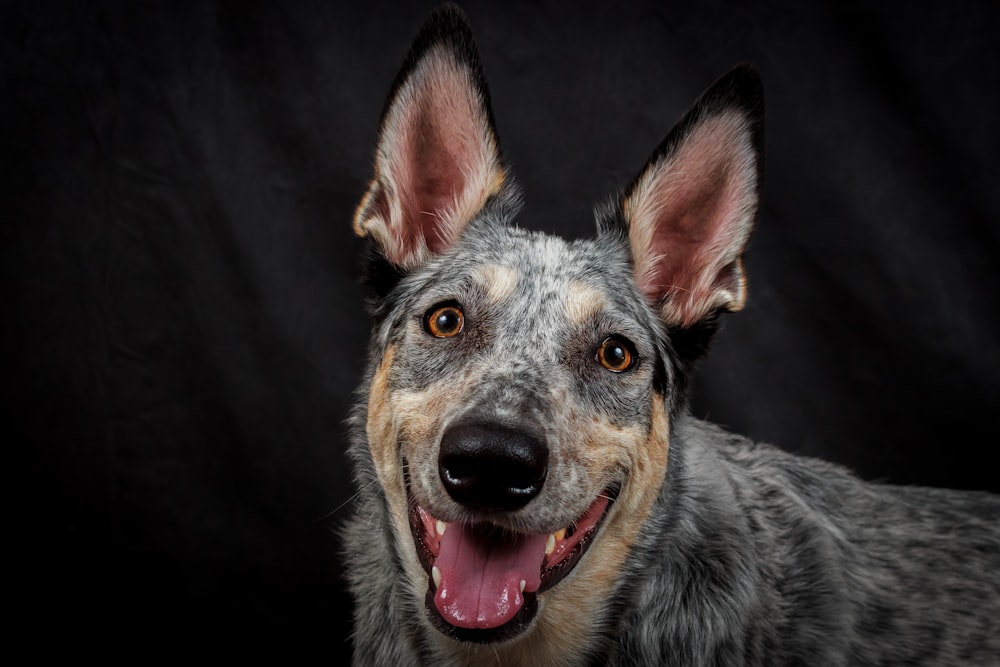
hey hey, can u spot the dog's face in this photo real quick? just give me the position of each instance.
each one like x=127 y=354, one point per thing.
x=521 y=390
x=517 y=405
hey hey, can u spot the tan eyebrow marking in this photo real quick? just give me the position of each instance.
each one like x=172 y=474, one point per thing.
x=498 y=281
x=583 y=302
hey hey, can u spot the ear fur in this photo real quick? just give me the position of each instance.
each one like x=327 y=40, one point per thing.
x=688 y=214
x=437 y=160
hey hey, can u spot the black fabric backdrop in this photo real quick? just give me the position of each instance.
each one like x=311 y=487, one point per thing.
x=182 y=321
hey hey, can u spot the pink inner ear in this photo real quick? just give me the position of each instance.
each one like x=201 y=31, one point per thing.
x=434 y=175
x=692 y=228
x=690 y=216
x=442 y=154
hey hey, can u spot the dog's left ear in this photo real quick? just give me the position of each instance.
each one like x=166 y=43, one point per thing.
x=688 y=214
x=437 y=161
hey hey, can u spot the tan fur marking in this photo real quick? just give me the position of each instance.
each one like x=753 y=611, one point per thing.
x=383 y=444
x=419 y=418
x=418 y=414
x=361 y=214
x=391 y=413
x=498 y=281
x=380 y=427
x=570 y=610
x=583 y=302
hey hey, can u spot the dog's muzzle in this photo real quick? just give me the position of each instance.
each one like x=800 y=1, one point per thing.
x=484 y=578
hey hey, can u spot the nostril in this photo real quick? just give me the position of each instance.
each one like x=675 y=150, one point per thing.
x=491 y=466
x=461 y=471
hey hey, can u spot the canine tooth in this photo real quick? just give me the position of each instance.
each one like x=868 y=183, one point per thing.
x=436 y=575
x=440 y=526
x=560 y=534
x=550 y=544
x=523 y=584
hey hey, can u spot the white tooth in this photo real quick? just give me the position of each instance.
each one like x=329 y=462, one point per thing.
x=523 y=584
x=550 y=544
x=436 y=575
x=440 y=525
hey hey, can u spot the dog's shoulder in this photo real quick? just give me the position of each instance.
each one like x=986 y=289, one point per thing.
x=876 y=565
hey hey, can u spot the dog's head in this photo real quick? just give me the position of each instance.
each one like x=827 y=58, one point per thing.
x=522 y=387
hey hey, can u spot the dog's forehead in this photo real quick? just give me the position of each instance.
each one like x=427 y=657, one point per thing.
x=537 y=271
x=541 y=257
x=541 y=260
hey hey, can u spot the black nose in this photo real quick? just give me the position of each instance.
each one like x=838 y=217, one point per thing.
x=490 y=466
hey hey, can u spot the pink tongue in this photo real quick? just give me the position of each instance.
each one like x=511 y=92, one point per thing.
x=481 y=575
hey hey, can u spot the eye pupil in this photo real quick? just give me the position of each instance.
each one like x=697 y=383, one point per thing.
x=445 y=321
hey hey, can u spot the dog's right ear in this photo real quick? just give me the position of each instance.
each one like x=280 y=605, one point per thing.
x=437 y=160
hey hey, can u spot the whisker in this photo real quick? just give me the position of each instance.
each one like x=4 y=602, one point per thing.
x=345 y=503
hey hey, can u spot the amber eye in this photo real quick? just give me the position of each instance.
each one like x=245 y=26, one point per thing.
x=615 y=354
x=445 y=321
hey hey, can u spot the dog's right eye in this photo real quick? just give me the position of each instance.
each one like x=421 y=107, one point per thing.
x=444 y=320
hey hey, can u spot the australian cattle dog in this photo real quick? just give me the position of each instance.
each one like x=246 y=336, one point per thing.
x=532 y=489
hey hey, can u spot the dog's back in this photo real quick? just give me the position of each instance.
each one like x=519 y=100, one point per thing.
x=532 y=489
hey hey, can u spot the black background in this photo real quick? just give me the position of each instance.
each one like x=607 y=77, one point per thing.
x=182 y=321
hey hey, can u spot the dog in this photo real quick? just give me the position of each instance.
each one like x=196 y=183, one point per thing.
x=531 y=487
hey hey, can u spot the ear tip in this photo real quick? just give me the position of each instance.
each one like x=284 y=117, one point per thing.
x=447 y=24
x=446 y=28
x=746 y=71
x=448 y=18
x=742 y=88
x=450 y=12
x=447 y=31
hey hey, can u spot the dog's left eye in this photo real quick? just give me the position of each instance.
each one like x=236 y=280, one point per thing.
x=444 y=320
x=616 y=354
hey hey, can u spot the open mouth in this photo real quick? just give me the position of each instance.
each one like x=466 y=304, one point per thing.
x=484 y=580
